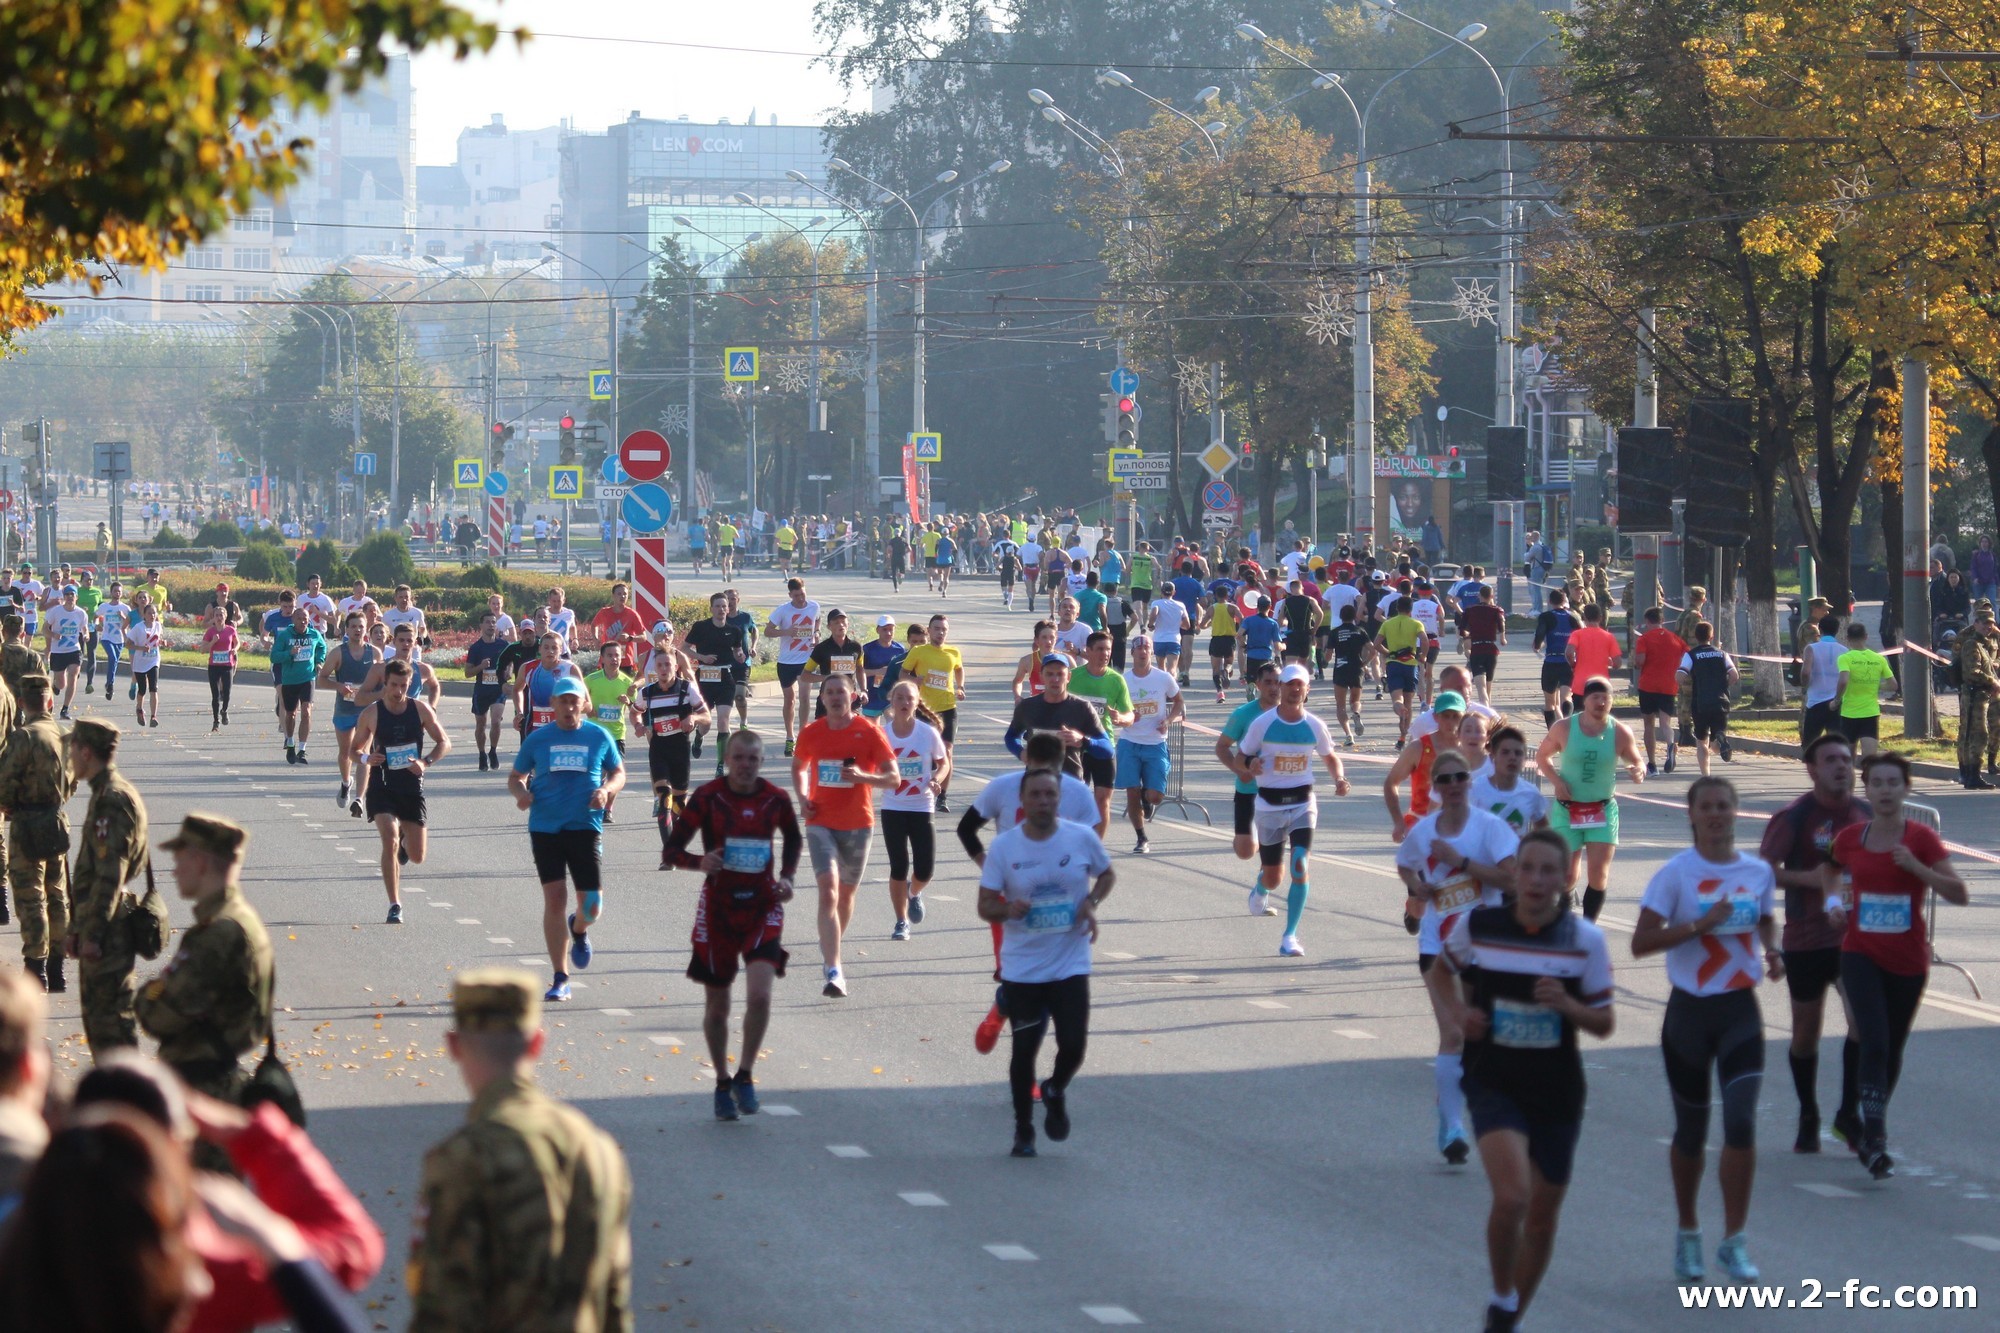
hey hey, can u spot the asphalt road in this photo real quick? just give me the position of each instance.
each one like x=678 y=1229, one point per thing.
x=1254 y=1135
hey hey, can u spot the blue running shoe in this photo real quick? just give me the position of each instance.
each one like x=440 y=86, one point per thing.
x=725 y=1105
x=746 y=1094
x=580 y=951
x=559 y=988
x=1687 y=1256
x=1734 y=1257
x=916 y=909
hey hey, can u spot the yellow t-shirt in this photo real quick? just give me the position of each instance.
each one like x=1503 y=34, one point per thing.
x=1399 y=636
x=928 y=543
x=786 y=538
x=725 y=534
x=934 y=670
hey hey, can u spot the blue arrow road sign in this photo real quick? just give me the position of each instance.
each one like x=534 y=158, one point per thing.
x=496 y=483
x=612 y=472
x=647 y=507
x=1124 y=381
x=364 y=465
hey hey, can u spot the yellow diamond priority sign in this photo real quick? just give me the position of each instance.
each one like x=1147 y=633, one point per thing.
x=1218 y=458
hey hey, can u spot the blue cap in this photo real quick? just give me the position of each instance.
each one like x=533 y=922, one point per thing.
x=1055 y=659
x=567 y=685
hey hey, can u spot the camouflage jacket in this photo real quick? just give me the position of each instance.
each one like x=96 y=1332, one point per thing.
x=34 y=766
x=112 y=853
x=209 y=1003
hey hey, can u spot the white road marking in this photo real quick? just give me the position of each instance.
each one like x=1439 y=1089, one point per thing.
x=1270 y=1004
x=1354 y=1034
x=616 y=1013
x=1017 y=1254
x=468 y=921
x=773 y=1109
x=1112 y=1314
x=440 y=904
x=1991 y=1244
x=848 y=1150
x=922 y=1199
x=533 y=962
x=338 y=848
x=1118 y=957
x=498 y=939
x=331 y=837
x=665 y=1039
x=1826 y=1191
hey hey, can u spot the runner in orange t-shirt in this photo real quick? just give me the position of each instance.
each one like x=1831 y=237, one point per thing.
x=1658 y=655
x=1593 y=650
x=620 y=623
x=836 y=760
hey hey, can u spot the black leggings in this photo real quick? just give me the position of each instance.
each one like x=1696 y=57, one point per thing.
x=1727 y=1031
x=220 y=678
x=1884 y=1005
x=911 y=837
x=1030 y=1006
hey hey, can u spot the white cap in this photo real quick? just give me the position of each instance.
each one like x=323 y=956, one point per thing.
x=1296 y=671
x=884 y=622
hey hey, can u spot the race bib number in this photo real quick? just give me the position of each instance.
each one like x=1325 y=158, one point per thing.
x=1742 y=914
x=1883 y=914
x=1456 y=895
x=1524 y=1026
x=489 y=676
x=399 y=756
x=607 y=712
x=841 y=666
x=711 y=675
x=1587 y=814
x=1050 y=908
x=831 y=773
x=937 y=680
x=746 y=856
x=302 y=652
x=1145 y=708
x=912 y=770
x=669 y=726
x=219 y=658
x=542 y=716
x=1290 y=764
x=569 y=759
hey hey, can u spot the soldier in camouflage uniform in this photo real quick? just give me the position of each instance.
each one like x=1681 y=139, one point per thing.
x=9 y=714
x=1977 y=654
x=525 y=1217
x=34 y=783
x=113 y=852
x=17 y=660
x=212 y=1003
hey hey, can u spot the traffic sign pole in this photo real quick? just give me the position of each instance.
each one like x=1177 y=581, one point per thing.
x=651 y=588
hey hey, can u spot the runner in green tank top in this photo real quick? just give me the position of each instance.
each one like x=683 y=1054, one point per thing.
x=1580 y=758
x=1140 y=575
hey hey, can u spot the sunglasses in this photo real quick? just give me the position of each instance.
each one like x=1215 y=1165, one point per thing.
x=1447 y=779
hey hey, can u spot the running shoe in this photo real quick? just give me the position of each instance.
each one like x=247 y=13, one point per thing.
x=225 y=717
x=1024 y=1143
x=1260 y=903
x=916 y=909
x=1808 y=1139
x=1219 y=697
x=987 y=1034
x=607 y=816
x=482 y=761
x=302 y=749
x=395 y=915
x=291 y=755
x=1360 y=730
x=901 y=932
x=354 y=807
x=559 y=988
x=493 y=755
x=1687 y=1256
x=64 y=713
x=1499 y=1320
x=836 y=985
x=1288 y=947
x=345 y=791
x=746 y=1094
x=1733 y=1257
x=789 y=744
x=1456 y=1149
x=943 y=806
x=1411 y=925
x=132 y=690
x=1652 y=769
x=1055 y=1114
x=579 y=946
x=1141 y=847
x=1847 y=1128
x=695 y=747
x=402 y=852
x=725 y=1104
x=1880 y=1165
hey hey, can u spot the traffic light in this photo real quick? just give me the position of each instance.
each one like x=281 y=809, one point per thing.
x=502 y=434
x=1248 y=451
x=1128 y=421
x=566 y=440
x=1109 y=402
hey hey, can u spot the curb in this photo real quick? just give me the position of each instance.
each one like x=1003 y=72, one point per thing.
x=1790 y=750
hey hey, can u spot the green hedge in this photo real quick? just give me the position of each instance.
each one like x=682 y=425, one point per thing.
x=384 y=560
x=166 y=539
x=264 y=561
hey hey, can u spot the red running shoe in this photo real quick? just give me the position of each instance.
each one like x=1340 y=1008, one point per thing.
x=988 y=1032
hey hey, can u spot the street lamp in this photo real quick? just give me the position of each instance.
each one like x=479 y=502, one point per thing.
x=693 y=276
x=871 y=392
x=812 y=389
x=1113 y=78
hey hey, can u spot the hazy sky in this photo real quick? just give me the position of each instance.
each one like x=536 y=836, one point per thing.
x=596 y=61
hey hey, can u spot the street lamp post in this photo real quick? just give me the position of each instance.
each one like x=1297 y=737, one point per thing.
x=813 y=421
x=871 y=394
x=693 y=278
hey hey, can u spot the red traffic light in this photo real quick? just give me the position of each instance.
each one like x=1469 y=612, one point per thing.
x=499 y=428
x=1452 y=452
x=568 y=421
x=1126 y=402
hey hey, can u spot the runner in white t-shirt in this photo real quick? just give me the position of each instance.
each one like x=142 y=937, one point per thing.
x=795 y=626
x=1143 y=758
x=923 y=764
x=358 y=600
x=318 y=605
x=1166 y=618
x=1500 y=789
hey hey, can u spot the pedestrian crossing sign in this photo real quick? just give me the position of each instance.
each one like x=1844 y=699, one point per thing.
x=566 y=483
x=739 y=365
x=600 y=386
x=929 y=446
x=469 y=474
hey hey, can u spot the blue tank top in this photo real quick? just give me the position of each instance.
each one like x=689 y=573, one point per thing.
x=350 y=670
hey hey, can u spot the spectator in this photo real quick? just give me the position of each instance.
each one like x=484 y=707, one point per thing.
x=1985 y=571
x=24 y=1082
x=1951 y=600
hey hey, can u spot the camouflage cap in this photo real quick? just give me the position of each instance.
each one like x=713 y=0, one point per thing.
x=496 y=999
x=99 y=735
x=209 y=833
x=1984 y=610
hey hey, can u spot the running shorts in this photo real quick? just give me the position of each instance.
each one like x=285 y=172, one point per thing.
x=1808 y=972
x=345 y=721
x=1711 y=723
x=484 y=697
x=1551 y=1141
x=1222 y=645
x=404 y=801
x=669 y=759
x=1099 y=770
x=1559 y=821
x=1347 y=677
x=845 y=849
x=1400 y=677
x=1555 y=675
x=726 y=938
x=1167 y=648
x=64 y=661
x=1856 y=728
x=1275 y=823
x=1246 y=812
x=948 y=726
x=1482 y=663
x=294 y=695
x=576 y=852
x=1298 y=645
x=1142 y=766
x=1655 y=705
x=148 y=682
x=789 y=673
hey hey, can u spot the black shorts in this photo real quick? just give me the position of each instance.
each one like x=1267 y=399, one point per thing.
x=1246 y=813
x=1222 y=645
x=1099 y=770
x=1431 y=653
x=399 y=798
x=484 y=697
x=577 y=852
x=1551 y=1140
x=948 y=726
x=1711 y=722
x=1054 y=580
x=1481 y=663
x=1819 y=718
x=669 y=759
x=294 y=695
x=148 y=681
x=789 y=673
x=1656 y=705
x=718 y=693
x=1555 y=676
x=1854 y=728
x=64 y=661
x=1808 y=972
x=1347 y=677
x=1298 y=645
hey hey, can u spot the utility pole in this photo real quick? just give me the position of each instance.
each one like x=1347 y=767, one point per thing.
x=1646 y=412
x=1918 y=721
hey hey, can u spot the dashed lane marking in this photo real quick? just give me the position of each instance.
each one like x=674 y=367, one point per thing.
x=1354 y=1034
x=922 y=1199
x=468 y=921
x=1112 y=1314
x=1991 y=1244
x=499 y=939
x=848 y=1150
x=771 y=1108
x=1270 y=1004
x=616 y=1013
x=1826 y=1191
x=664 y=1039
x=1013 y=1254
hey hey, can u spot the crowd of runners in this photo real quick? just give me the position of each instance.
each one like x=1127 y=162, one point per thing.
x=1504 y=834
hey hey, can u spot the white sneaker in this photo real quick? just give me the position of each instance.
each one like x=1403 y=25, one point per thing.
x=1260 y=903
x=1288 y=947
x=836 y=985
x=341 y=800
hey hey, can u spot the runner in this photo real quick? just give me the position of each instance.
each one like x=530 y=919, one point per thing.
x=1400 y=641
x=515 y=658
x=881 y=663
x=1164 y=620
x=670 y=712
x=347 y=668
x=1552 y=630
x=1413 y=765
x=1712 y=678
x=1796 y=843
x=405 y=611
x=725 y=545
x=1143 y=567
x=88 y=598
x=620 y=623
x=1482 y=633
x=1862 y=674
x=795 y=625
x=1498 y=789
x=747 y=625
x=297 y=653
x=1258 y=637
x=1072 y=635
x=389 y=736
x=1276 y=752
x=423 y=677
x=534 y=694
x=1352 y=650
x=1154 y=700
x=1657 y=655
x=1090 y=602
x=927 y=546
x=1708 y=908
x=1453 y=860
x=1427 y=611
x=1118 y=617
x=939 y=671
x=566 y=772
x=561 y=618
x=1521 y=981
x=1876 y=879
x=899 y=563
x=944 y=556
x=1007 y=564
x=1264 y=682
x=113 y=617
x=838 y=760
x=62 y=631
x=1580 y=757
x=697 y=538
x=611 y=692
x=835 y=655
x=1087 y=748
x=1044 y=882
x=358 y=600
x=482 y=667
x=786 y=540
x=316 y=603
x=717 y=648
x=1028 y=671
x=1105 y=691
x=908 y=824
x=219 y=640
x=146 y=637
